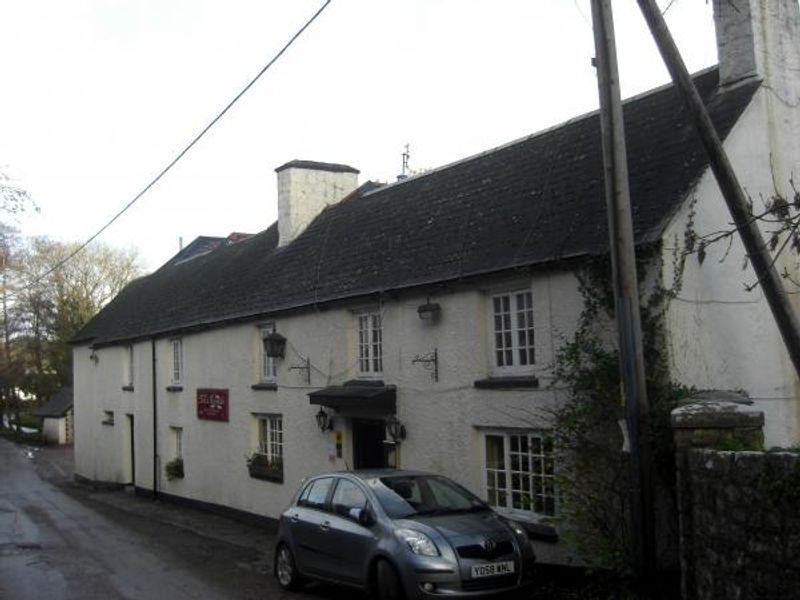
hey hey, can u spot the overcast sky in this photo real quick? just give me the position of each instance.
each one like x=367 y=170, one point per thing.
x=99 y=95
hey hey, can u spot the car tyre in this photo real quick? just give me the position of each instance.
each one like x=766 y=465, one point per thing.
x=286 y=569
x=388 y=582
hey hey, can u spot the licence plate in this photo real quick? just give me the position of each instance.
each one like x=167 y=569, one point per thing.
x=492 y=569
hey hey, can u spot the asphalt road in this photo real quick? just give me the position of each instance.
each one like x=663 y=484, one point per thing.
x=62 y=541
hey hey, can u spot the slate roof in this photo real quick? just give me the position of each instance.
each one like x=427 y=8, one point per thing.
x=58 y=405
x=535 y=201
x=200 y=245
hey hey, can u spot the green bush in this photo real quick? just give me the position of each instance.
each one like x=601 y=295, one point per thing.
x=593 y=472
x=174 y=469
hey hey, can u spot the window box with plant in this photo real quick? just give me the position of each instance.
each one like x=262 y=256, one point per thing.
x=264 y=467
x=174 y=469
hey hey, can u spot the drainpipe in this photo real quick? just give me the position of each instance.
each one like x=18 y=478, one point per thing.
x=155 y=422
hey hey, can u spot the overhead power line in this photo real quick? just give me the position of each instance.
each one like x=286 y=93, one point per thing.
x=178 y=157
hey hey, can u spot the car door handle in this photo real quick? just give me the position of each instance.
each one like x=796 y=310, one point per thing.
x=325 y=525
x=294 y=518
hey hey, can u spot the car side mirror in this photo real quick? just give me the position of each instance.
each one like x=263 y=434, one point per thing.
x=362 y=516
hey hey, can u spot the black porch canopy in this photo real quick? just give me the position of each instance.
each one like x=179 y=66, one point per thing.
x=357 y=396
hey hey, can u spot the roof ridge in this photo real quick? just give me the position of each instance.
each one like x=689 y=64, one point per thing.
x=541 y=132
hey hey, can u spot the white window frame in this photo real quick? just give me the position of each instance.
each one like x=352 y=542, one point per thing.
x=129 y=365
x=269 y=436
x=369 y=344
x=541 y=489
x=177 y=442
x=267 y=365
x=176 y=373
x=514 y=320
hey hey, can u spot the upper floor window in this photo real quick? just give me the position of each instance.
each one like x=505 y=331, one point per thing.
x=268 y=369
x=370 y=344
x=512 y=317
x=128 y=376
x=520 y=471
x=177 y=360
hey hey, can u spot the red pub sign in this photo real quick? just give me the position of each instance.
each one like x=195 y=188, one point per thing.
x=212 y=404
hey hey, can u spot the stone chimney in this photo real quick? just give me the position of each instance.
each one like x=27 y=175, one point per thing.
x=761 y=39
x=305 y=188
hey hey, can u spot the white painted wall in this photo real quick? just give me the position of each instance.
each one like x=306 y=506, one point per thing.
x=55 y=430
x=722 y=336
x=102 y=451
x=443 y=419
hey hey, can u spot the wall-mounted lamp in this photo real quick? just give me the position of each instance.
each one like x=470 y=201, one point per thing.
x=429 y=311
x=274 y=345
x=94 y=357
x=396 y=429
x=324 y=421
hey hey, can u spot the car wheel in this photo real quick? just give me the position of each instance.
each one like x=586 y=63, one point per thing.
x=285 y=569
x=389 y=587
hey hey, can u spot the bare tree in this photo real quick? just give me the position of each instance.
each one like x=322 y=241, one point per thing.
x=58 y=295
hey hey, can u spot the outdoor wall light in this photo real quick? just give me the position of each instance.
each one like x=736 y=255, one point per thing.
x=94 y=357
x=324 y=421
x=429 y=311
x=274 y=345
x=396 y=429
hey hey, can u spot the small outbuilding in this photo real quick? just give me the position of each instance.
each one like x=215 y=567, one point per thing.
x=57 y=417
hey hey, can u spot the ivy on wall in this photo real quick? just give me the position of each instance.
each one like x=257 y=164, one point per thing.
x=593 y=473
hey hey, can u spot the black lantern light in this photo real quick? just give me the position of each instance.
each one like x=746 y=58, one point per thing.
x=429 y=311
x=324 y=421
x=396 y=429
x=274 y=345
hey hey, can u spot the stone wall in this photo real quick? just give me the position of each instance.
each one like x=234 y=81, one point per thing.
x=738 y=510
x=745 y=541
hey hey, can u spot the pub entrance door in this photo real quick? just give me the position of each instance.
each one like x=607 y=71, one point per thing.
x=369 y=451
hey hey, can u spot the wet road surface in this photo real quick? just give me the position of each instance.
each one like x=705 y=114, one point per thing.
x=61 y=541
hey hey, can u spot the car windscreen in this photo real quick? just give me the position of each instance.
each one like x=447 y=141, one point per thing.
x=416 y=495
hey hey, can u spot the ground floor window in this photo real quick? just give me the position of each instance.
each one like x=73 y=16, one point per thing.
x=266 y=462
x=270 y=436
x=520 y=471
x=177 y=442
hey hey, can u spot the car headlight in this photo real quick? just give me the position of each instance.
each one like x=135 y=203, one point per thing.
x=417 y=542
x=518 y=529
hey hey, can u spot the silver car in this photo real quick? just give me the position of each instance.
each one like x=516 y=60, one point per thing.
x=400 y=534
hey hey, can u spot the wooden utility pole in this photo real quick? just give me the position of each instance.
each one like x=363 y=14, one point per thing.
x=626 y=290
x=746 y=225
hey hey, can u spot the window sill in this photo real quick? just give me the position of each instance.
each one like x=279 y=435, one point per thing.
x=174 y=388
x=266 y=385
x=507 y=383
x=127 y=388
x=366 y=380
